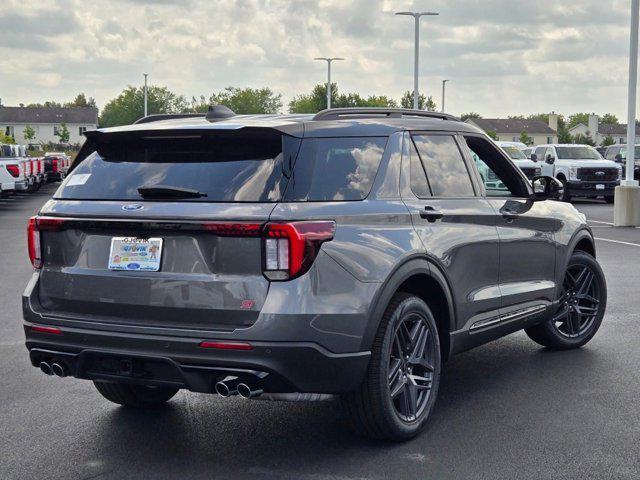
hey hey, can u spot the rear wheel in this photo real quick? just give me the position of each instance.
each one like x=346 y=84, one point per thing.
x=137 y=396
x=581 y=306
x=398 y=393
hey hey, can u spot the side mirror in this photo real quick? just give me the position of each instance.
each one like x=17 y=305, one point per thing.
x=550 y=160
x=546 y=188
x=534 y=157
x=619 y=158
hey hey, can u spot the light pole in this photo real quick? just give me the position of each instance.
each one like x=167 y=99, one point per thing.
x=328 y=60
x=145 y=93
x=416 y=53
x=444 y=82
x=626 y=210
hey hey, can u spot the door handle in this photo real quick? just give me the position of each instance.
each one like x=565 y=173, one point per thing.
x=431 y=215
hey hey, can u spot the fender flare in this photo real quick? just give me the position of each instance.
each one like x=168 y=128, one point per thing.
x=578 y=236
x=415 y=265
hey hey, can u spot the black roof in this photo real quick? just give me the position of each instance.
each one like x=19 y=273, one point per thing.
x=35 y=115
x=342 y=122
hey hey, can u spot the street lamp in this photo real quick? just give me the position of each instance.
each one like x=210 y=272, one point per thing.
x=416 y=53
x=328 y=60
x=444 y=82
x=145 y=93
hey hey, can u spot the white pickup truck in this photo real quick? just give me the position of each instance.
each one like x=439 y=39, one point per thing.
x=514 y=150
x=580 y=168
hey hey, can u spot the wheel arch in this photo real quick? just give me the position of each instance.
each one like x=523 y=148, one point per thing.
x=423 y=278
x=582 y=241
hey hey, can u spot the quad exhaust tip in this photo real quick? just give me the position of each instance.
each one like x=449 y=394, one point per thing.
x=245 y=391
x=59 y=370
x=226 y=389
x=46 y=368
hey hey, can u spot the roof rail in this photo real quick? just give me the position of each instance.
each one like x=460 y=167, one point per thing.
x=156 y=117
x=373 y=112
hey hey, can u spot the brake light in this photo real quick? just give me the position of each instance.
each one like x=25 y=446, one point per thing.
x=35 y=226
x=14 y=170
x=54 y=165
x=291 y=248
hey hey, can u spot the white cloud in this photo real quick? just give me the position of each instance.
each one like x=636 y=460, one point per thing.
x=502 y=57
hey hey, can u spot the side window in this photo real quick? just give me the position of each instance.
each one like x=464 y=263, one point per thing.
x=550 y=153
x=540 y=152
x=419 y=184
x=443 y=162
x=500 y=177
x=612 y=152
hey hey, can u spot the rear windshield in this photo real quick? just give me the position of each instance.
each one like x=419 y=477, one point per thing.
x=257 y=165
x=578 y=153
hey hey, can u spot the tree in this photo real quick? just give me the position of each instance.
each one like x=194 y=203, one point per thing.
x=526 y=139
x=407 y=100
x=608 y=140
x=563 y=131
x=63 y=133
x=47 y=104
x=584 y=139
x=29 y=133
x=6 y=139
x=248 y=100
x=577 y=118
x=317 y=100
x=81 y=101
x=609 y=119
x=128 y=107
x=466 y=116
x=492 y=134
x=430 y=106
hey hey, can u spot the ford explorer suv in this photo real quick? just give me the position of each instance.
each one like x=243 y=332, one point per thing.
x=348 y=253
x=581 y=169
x=618 y=154
x=530 y=168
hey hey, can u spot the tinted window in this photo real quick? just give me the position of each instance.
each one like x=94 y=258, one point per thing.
x=227 y=167
x=335 y=169
x=419 y=184
x=445 y=167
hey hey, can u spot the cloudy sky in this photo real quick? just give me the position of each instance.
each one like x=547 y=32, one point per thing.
x=502 y=56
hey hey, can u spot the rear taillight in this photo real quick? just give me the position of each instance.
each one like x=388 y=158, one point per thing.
x=14 y=170
x=54 y=165
x=36 y=225
x=291 y=248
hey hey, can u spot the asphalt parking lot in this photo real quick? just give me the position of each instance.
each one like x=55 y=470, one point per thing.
x=506 y=410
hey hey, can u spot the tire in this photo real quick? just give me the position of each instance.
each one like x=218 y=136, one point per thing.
x=572 y=326
x=136 y=396
x=566 y=197
x=609 y=199
x=371 y=410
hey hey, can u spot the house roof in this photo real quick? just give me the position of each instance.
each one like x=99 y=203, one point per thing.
x=28 y=115
x=617 y=130
x=515 y=126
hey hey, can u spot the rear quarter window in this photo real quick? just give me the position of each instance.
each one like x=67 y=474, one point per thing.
x=335 y=169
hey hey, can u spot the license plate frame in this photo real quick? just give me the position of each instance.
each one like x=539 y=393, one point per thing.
x=133 y=254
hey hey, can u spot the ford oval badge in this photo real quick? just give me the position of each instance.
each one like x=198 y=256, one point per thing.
x=132 y=207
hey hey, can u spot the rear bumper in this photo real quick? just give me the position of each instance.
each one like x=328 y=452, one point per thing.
x=580 y=188
x=55 y=177
x=180 y=362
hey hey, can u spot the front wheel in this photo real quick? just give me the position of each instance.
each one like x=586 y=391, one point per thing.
x=566 y=197
x=609 y=199
x=400 y=388
x=137 y=396
x=581 y=306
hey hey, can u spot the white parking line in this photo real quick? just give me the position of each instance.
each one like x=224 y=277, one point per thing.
x=598 y=221
x=618 y=241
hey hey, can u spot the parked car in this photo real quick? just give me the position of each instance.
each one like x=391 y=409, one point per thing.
x=601 y=151
x=12 y=167
x=529 y=167
x=56 y=165
x=581 y=169
x=618 y=154
x=349 y=253
x=528 y=151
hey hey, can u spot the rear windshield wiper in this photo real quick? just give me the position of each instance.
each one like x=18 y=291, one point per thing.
x=167 y=191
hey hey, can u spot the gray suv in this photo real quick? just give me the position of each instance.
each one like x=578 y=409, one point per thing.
x=291 y=256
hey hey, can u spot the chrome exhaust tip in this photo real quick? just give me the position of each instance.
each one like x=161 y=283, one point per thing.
x=245 y=391
x=58 y=370
x=46 y=368
x=226 y=389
